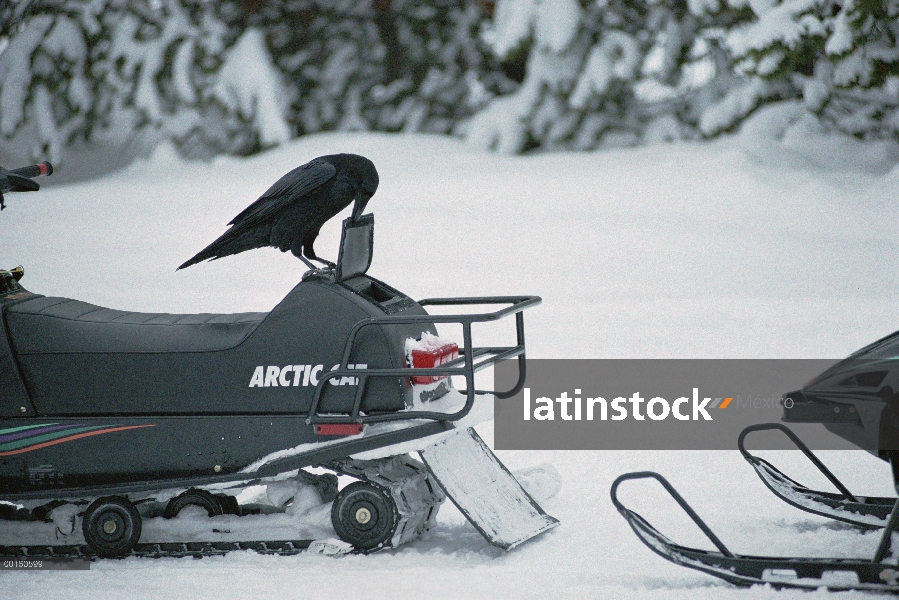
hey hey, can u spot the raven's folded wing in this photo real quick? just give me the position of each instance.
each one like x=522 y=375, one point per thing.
x=252 y=228
x=292 y=186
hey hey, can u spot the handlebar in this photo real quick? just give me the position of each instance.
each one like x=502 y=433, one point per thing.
x=19 y=180
x=44 y=168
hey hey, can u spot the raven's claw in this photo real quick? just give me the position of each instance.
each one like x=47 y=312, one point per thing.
x=325 y=273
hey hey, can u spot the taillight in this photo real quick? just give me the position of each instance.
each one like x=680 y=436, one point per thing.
x=338 y=428
x=431 y=356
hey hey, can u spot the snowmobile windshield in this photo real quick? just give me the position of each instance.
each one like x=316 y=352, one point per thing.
x=884 y=349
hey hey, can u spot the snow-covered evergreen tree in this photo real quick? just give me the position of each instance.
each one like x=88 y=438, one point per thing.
x=46 y=92
x=123 y=72
x=239 y=75
x=607 y=72
x=840 y=56
x=235 y=76
x=551 y=34
x=387 y=65
x=863 y=70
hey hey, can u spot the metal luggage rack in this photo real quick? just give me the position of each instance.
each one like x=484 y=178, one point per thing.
x=470 y=360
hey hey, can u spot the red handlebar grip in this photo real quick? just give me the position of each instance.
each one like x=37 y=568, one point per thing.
x=44 y=168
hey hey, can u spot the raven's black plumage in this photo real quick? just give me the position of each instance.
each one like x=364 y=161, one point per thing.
x=289 y=215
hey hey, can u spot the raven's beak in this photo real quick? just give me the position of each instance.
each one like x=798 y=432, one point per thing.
x=359 y=206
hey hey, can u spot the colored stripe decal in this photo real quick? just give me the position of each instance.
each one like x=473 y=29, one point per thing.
x=725 y=403
x=72 y=438
x=46 y=437
x=36 y=431
x=24 y=427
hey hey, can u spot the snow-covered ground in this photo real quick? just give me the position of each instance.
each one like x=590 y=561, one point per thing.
x=750 y=247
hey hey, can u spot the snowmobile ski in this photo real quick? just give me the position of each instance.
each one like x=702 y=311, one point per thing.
x=836 y=574
x=866 y=512
x=484 y=490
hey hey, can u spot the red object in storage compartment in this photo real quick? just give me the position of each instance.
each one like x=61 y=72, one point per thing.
x=433 y=356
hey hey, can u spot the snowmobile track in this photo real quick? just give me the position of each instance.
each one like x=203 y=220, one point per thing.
x=167 y=550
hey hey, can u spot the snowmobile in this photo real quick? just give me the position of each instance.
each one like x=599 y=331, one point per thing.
x=856 y=399
x=110 y=418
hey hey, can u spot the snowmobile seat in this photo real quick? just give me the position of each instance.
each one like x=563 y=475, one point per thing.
x=54 y=325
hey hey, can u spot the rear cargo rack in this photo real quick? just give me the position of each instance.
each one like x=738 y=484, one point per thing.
x=470 y=361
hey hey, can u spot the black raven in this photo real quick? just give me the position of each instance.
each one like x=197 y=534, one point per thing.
x=289 y=215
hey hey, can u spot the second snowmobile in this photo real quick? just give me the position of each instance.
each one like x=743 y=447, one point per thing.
x=858 y=400
x=127 y=416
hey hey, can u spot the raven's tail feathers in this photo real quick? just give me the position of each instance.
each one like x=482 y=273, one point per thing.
x=200 y=257
x=231 y=242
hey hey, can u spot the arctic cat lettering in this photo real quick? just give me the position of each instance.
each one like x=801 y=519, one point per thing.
x=297 y=375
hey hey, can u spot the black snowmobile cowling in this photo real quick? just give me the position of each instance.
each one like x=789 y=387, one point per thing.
x=857 y=398
x=80 y=359
x=111 y=419
x=96 y=400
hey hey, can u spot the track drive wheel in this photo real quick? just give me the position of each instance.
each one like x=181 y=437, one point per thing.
x=194 y=497
x=229 y=504
x=364 y=515
x=111 y=526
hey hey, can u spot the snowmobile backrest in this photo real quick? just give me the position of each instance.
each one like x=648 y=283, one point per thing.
x=356 y=246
